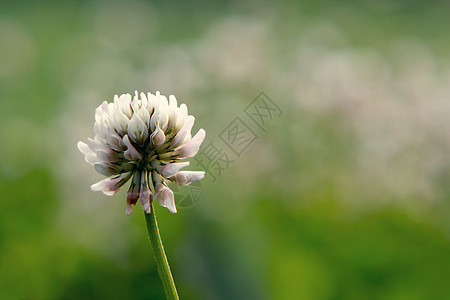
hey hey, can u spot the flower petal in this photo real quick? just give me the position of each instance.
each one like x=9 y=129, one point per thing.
x=133 y=192
x=182 y=117
x=95 y=144
x=84 y=148
x=151 y=102
x=163 y=120
x=123 y=103
x=114 y=140
x=165 y=197
x=157 y=137
x=172 y=168
x=89 y=155
x=186 y=177
x=172 y=112
x=107 y=169
x=184 y=132
x=137 y=130
x=109 y=156
x=93 y=159
x=111 y=185
x=144 y=115
x=120 y=122
x=144 y=100
x=191 y=148
x=145 y=195
x=131 y=153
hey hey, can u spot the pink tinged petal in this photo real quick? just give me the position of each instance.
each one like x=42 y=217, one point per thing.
x=186 y=177
x=157 y=137
x=110 y=186
x=191 y=148
x=170 y=169
x=131 y=153
x=145 y=195
x=165 y=197
x=137 y=130
x=133 y=192
x=120 y=122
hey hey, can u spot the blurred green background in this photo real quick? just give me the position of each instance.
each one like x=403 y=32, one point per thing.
x=344 y=196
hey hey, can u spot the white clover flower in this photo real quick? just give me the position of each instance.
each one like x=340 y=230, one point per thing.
x=143 y=139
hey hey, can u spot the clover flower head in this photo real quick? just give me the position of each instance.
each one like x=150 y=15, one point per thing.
x=143 y=138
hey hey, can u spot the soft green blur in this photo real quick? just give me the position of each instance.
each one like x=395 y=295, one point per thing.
x=343 y=196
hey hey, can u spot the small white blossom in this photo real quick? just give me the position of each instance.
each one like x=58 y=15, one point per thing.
x=143 y=138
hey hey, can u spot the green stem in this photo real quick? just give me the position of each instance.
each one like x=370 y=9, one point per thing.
x=160 y=256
